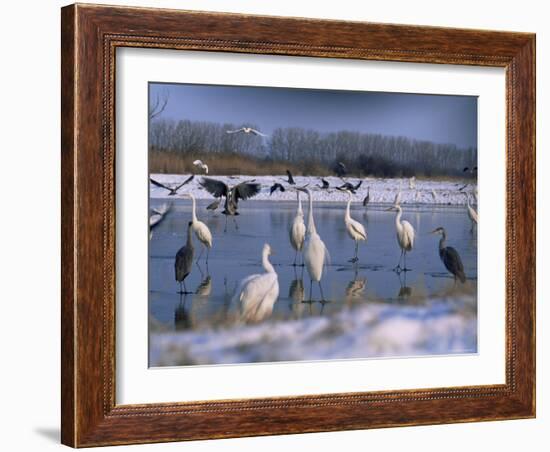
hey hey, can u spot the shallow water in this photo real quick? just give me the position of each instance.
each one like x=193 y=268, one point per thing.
x=236 y=254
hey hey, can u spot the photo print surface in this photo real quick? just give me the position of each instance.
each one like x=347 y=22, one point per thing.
x=301 y=225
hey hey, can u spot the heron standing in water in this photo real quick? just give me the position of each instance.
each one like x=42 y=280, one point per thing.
x=315 y=251
x=201 y=230
x=450 y=257
x=184 y=260
x=356 y=230
x=297 y=231
x=405 y=237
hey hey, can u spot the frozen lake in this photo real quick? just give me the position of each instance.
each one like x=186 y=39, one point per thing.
x=371 y=285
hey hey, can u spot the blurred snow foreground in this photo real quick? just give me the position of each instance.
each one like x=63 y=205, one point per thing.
x=447 y=326
x=381 y=190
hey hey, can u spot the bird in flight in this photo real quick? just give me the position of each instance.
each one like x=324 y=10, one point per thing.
x=172 y=190
x=349 y=186
x=276 y=186
x=290 y=178
x=203 y=166
x=325 y=185
x=247 y=130
x=340 y=169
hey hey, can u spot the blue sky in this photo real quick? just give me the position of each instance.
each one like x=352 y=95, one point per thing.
x=437 y=118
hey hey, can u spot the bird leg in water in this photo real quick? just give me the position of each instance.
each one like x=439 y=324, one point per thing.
x=183 y=290
x=295 y=259
x=397 y=268
x=200 y=254
x=355 y=258
x=236 y=224
x=323 y=301
x=405 y=269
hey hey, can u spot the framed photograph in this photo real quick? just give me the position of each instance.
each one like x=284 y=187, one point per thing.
x=282 y=225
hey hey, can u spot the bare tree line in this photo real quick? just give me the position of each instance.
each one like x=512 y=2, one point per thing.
x=363 y=153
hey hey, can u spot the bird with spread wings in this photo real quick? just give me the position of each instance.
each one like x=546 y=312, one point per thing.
x=247 y=130
x=172 y=190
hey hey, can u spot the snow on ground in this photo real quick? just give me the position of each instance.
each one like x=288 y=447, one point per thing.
x=446 y=326
x=381 y=190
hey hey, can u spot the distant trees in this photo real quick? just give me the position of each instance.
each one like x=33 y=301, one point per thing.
x=362 y=153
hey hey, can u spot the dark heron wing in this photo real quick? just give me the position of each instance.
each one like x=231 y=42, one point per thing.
x=358 y=185
x=186 y=181
x=158 y=184
x=290 y=178
x=325 y=183
x=453 y=263
x=217 y=188
x=245 y=190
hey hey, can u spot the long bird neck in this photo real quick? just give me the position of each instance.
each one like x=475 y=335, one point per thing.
x=398 y=218
x=189 y=238
x=193 y=209
x=442 y=241
x=310 y=222
x=266 y=264
x=348 y=214
x=300 y=210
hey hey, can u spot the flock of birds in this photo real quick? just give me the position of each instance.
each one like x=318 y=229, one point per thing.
x=257 y=293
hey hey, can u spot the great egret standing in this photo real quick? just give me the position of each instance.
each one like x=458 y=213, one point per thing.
x=355 y=229
x=297 y=231
x=471 y=212
x=315 y=251
x=184 y=260
x=201 y=230
x=405 y=237
x=258 y=293
x=450 y=257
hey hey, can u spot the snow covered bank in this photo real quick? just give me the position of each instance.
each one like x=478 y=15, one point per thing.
x=445 y=326
x=381 y=190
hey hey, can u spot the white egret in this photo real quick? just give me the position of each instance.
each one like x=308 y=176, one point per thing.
x=184 y=260
x=471 y=212
x=201 y=165
x=397 y=200
x=247 y=130
x=297 y=230
x=315 y=251
x=258 y=293
x=201 y=230
x=355 y=229
x=412 y=183
x=450 y=257
x=405 y=237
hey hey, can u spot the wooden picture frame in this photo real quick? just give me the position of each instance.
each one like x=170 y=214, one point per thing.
x=90 y=36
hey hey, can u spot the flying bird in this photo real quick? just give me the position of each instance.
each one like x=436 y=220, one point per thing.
x=405 y=237
x=184 y=260
x=325 y=185
x=315 y=251
x=243 y=190
x=450 y=257
x=203 y=166
x=276 y=186
x=297 y=230
x=202 y=232
x=290 y=178
x=349 y=186
x=340 y=169
x=355 y=230
x=247 y=130
x=258 y=293
x=172 y=190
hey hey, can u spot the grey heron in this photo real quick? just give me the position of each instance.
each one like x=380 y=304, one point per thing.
x=366 y=200
x=243 y=190
x=184 y=260
x=325 y=185
x=276 y=186
x=349 y=186
x=450 y=257
x=290 y=178
x=172 y=190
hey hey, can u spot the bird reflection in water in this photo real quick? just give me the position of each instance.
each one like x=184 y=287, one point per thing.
x=356 y=287
x=404 y=291
x=296 y=293
x=182 y=316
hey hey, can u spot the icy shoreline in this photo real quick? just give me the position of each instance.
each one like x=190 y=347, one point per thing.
x=381 y=190
x=369 y=331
